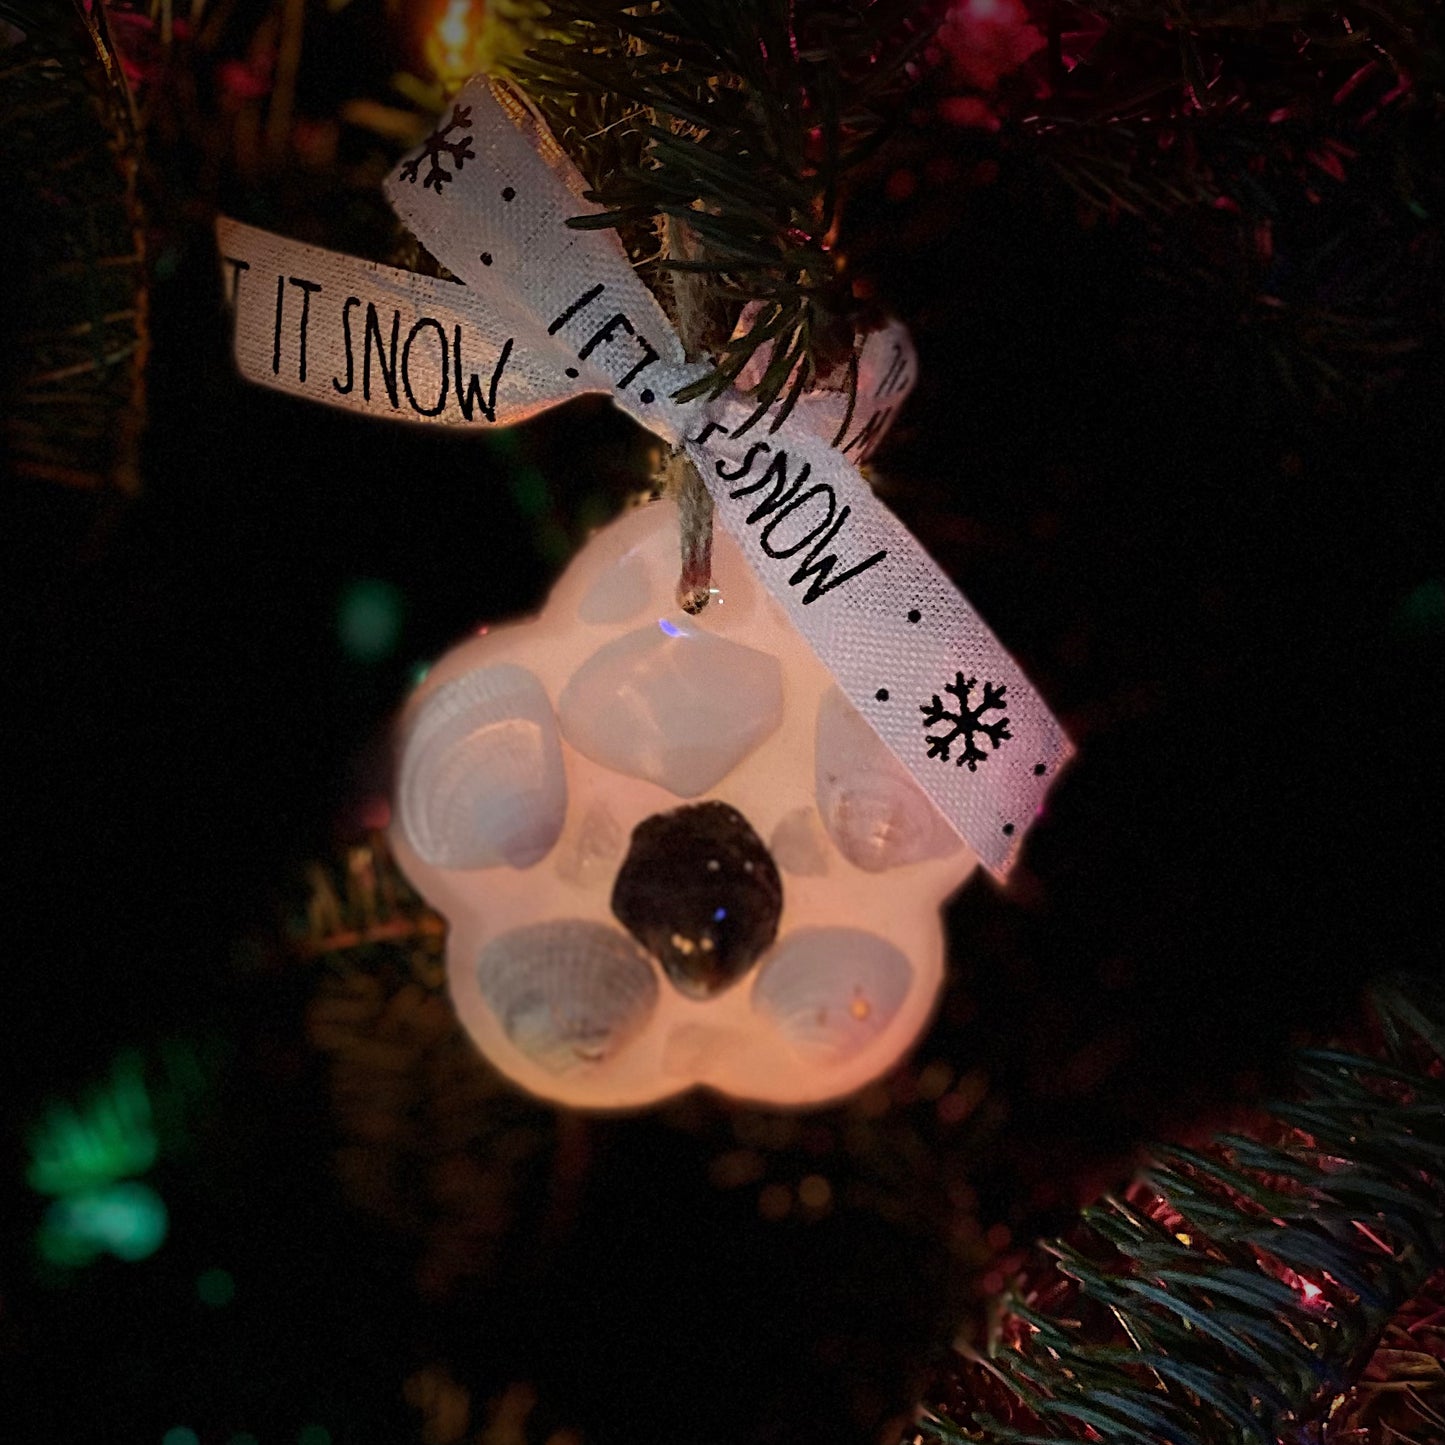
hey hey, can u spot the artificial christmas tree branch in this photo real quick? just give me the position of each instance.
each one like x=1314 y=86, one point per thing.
x=73 y=391
x=1235 y=1291
x=740 y=124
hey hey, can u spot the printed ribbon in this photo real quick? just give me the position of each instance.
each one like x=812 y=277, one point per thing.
x=542 y=312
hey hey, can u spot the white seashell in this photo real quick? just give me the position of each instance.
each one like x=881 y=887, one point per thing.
x=831 y=991
x=568 y=993
x=482 y=781
x=591 y=855
x=673 y=705
x=873 y=810
x=798 y=845
x=618 y=595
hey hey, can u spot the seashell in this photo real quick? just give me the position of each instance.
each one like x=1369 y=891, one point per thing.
x=798 y=845
x=482 y=781
x=700 y=893
x=875 y=813
x=568 y=993
x=831 y=991
x=618 y=595
x=673 y=705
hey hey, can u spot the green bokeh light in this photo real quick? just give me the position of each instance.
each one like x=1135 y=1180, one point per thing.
x=314 y=1435
x=110 y=1136
x=368 y=619
x=126 y=1220
x=180 y=1435
x=216 y=1287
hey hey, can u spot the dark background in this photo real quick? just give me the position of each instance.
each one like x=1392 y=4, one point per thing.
x=1232 y=596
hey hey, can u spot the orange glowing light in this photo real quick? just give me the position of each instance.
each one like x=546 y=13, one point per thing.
x=452 y=46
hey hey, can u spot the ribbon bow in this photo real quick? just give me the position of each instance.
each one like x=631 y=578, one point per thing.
x=545 y=312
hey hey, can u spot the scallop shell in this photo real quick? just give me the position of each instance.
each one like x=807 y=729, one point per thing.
x=873 y=810
x=482 y=781
x=832 y=991
x=568 y=993
x=672 y=704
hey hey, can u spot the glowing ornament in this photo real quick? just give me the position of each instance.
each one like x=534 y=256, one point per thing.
x=670 y=851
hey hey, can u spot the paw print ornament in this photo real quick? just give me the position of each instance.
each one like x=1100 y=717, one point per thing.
x=670 y=852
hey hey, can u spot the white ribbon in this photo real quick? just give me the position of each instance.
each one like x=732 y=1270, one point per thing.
x=543 y=312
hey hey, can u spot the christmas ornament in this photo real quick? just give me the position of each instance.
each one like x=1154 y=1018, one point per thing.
x=673 y=849
x=671 y=853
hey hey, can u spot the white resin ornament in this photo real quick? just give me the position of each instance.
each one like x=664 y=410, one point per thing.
x=670 y=852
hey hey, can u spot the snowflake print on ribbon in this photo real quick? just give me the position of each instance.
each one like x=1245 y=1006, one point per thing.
x=438 y=147
x=966 y=723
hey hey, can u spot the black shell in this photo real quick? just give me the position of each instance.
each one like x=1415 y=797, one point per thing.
x=701 y=893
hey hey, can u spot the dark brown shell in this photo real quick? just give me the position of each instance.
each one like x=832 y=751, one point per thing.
x=701 y=893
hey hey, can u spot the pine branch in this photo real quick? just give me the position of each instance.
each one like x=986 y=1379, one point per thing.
x=1283 y=162
x=1400 y=17
x=1171 y=113
x=1235 y=1290
x=77 y=293
x=727 y=131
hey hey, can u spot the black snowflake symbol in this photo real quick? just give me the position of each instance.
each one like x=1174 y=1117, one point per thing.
x=966 y=723
x=437 y=147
